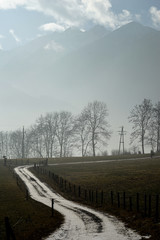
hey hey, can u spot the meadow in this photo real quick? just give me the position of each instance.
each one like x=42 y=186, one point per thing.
x=28 y=218
x=128 y=175
x=82 y=181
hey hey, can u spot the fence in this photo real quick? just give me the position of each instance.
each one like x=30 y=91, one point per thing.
x=9 y=230
x=143 y=204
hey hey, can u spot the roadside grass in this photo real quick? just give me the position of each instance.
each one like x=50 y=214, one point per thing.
x=131 y=176
x=18 y=162
x=28 y=219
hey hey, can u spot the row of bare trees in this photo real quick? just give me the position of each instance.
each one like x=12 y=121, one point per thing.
x=60 y=134
x=145 y=120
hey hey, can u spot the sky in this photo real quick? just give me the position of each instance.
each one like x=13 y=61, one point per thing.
x=24 y=20
x=21 y=21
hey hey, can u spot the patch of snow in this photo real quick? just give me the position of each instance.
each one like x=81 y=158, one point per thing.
x=80 y=222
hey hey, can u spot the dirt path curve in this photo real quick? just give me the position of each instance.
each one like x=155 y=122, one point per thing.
x=81 y=223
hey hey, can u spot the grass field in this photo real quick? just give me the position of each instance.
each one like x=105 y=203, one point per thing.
x=28 y=219
x=72 y=159
x=131 y=176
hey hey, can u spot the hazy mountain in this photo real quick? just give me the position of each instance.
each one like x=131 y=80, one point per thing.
x=128 y=59
x=66 y=70
x=128 y=55
x=52 y=45
x=33 y=62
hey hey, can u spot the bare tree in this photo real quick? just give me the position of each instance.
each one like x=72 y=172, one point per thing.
x=156 y=111
x=115 y=152
x=28 y=143
x=154 y=129
x=140 y=117
x=47 y=129
x=15 y=144
x=43 y=135
x=36 y=139
x=95 y=115
x=134 y=149
x=64 y=132
x=151 y=138
x=57 y=133
x=82 y=134
x=4 y=144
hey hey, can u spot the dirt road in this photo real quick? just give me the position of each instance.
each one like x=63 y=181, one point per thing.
x=81 y=223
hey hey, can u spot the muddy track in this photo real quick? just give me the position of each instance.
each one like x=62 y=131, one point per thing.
x=80 y=221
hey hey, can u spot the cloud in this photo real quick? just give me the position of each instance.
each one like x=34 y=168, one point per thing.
x=54 y=46
x=98 y=11
x=155 y=16
x=7 y=4
x=79 y=12
x=138 y=17
x=11 y=31
x=70 y=13
x=1 y=36
x=52 y=27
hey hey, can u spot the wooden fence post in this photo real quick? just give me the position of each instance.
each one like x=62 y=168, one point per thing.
x=96 y=196
x=124 y=200
x=157 y=208
x=90 y=195
x=62 y=182
x=9 y=231
x=53 y=176
x=137 y=201
x=17 y=181
x=145 y=205
x=85 y=194
x=69 y=185
x=118 y=198
x=149 y=207
x=101 y=197
x=52 y=207
x=112 y=197
x=27 y=195
x=130 y=203
x=57 y=179
x=79 y=191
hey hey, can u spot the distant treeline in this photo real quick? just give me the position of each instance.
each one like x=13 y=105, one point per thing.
x=61 y=134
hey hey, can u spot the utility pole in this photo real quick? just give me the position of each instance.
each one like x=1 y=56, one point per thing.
x=121 y=140
x=23 y=143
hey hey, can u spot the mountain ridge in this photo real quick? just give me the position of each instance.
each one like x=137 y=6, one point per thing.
x=111 y=67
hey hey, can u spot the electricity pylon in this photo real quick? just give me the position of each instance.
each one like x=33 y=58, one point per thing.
x=23 y=150
x=121 y=140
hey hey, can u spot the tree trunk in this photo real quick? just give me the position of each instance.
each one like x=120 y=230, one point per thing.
x=93 y=146
x=143 y=145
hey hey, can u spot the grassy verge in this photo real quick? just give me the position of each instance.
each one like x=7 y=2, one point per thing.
x=26 y=161
x=28 y=219
x=142 y=176
x=133 y=176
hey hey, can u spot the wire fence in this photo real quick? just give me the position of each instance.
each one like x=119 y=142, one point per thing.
x=147 y=205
